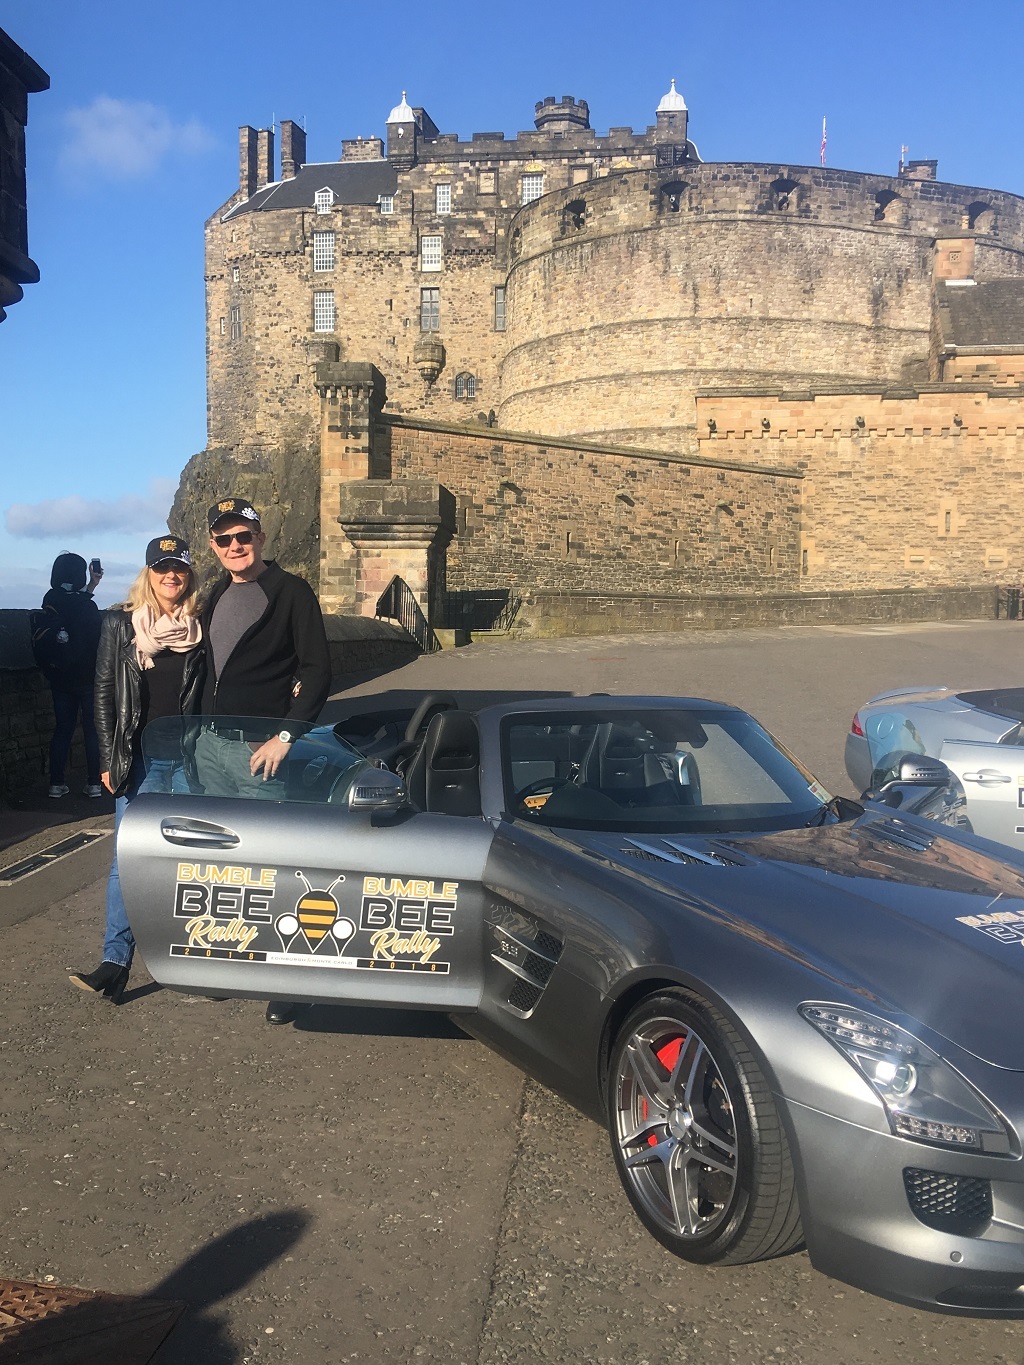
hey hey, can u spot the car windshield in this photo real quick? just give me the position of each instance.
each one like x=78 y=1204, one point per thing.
x=212 y=756
x=666 y=770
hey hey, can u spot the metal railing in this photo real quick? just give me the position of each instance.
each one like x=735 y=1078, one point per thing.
x=1010 y=603
x=398 y=603
x=487 y=609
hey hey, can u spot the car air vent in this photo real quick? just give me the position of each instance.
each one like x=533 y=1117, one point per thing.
x=957 y=1204
x=527 y=952
x=647 y=855
x=672 y=851
x=895 y=832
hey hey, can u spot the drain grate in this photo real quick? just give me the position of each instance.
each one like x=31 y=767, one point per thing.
x=49 y=1325
x=15 y=871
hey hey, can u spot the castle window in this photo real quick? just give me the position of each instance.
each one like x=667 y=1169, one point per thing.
x=671 y=196
x=430 y=310
x=430 y=253
x=465 y=386
x=386 y=203
x=574 y=216
x=324 y=315
x=979 y=217
x=532 y=187
x=442 y=199
x=323 y=250
x=235 y=317
x=234 y=274
x=499 y=308
x=784 y=194
x=223 y=327
x=323 y=199
x=884 y=201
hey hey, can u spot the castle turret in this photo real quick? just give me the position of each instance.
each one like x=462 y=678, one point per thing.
x=402 y=134
x=567 y=115
x=671 y=116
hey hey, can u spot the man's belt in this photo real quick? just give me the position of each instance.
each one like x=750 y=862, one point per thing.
x=226 y=732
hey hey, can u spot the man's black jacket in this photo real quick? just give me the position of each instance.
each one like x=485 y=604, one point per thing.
x=285 y=648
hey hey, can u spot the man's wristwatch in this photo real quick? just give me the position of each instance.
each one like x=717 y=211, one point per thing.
x=286 y=737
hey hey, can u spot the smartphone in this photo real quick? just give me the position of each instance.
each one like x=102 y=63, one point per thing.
x=95 y=566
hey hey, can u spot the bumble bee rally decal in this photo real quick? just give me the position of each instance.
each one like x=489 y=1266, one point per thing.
x=398 y=924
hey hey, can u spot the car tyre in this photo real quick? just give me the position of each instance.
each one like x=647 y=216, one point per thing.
x=696 y=1138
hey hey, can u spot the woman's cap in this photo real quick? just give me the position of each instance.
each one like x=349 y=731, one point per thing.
x=234 y=508
x=168 y=547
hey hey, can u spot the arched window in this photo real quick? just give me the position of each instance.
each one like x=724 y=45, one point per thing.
x=784 y=193
x=465 y=385
x=574 y=216
x=979 y=217
x=672 y=196
x=884 y=201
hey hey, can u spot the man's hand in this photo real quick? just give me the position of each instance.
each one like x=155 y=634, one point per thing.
x=269 y=757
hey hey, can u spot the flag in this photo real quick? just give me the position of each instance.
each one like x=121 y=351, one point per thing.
x=824 y=139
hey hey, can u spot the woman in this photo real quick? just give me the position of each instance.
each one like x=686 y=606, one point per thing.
x=149 y=665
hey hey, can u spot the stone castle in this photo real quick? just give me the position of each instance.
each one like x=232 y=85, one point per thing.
x=593 y=368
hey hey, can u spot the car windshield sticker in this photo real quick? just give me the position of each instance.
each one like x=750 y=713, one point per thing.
x=1006 y=926
x=234 y=914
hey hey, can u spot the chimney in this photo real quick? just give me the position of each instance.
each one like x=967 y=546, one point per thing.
x=293 y=149
x=247 y=160
x=264 y=157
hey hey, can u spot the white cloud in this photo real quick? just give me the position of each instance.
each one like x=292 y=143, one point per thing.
x=126 y=139
x=58 y=518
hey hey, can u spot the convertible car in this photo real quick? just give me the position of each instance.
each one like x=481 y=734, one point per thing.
x=798 y=1016
x=979 y=736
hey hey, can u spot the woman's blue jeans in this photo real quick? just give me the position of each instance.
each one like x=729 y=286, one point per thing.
x=164 y=775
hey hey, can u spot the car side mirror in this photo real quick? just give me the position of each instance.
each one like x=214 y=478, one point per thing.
x=918 y=784
x=377 y=789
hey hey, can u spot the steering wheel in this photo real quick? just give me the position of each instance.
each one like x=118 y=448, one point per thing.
x=539 y=786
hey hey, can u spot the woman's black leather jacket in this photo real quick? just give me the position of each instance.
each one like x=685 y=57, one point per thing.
x=118 y=695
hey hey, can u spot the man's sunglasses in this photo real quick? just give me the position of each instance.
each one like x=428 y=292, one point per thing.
x=243 y=538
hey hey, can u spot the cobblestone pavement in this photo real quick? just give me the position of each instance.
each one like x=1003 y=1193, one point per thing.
x=365 y=1186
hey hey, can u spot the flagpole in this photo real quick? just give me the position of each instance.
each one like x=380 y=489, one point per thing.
x=824 y=139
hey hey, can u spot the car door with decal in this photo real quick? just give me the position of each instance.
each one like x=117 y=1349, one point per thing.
x=992 y=776
x=301 y=897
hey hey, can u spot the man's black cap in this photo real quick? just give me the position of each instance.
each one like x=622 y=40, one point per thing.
x=232 y=507
x=168 y=547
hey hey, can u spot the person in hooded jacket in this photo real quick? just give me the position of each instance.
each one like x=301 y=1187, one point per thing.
x=150 y=665
x=65 y=633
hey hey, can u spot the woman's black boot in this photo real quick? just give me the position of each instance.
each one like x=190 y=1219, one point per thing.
x=109 y=979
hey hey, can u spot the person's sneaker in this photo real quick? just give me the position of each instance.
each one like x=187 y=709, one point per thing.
x=91 y=789
x=57 y=790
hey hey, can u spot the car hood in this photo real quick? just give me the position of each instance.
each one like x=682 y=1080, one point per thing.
x=910 y=918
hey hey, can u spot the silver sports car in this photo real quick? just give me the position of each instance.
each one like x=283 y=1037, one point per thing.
x=798 y=1016
x=979 y=736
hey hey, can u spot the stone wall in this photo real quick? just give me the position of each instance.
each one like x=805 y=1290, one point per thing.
x=912 y=489
x=628 y=295
x=573 y=516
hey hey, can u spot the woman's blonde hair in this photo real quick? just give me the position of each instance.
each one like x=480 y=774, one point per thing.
x=141 y=594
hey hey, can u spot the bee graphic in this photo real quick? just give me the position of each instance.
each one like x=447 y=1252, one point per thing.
x=316 y=917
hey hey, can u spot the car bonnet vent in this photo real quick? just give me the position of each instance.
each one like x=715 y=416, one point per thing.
x=672 y=851
x=895 y=832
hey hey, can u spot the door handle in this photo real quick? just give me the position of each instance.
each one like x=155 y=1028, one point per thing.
x=988 y=777
x=198 y=833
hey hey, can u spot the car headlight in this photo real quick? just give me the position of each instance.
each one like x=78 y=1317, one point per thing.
x=924 y=1098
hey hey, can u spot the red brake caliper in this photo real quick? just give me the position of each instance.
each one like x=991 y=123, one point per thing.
x=667 y=1055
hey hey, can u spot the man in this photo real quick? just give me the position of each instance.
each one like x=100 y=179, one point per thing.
x=267 y=656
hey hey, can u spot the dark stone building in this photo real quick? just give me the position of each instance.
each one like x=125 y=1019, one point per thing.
x=20 y=77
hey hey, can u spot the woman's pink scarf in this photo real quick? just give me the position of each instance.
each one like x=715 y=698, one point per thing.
x=154 y=633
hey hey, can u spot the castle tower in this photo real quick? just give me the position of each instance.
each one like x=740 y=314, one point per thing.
x=671 y=116
x=402 y=135
x=570 y=115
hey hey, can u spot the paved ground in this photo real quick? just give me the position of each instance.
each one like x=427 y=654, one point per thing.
x=376 y=1187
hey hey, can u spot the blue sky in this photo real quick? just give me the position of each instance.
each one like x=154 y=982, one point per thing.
x=102 y=398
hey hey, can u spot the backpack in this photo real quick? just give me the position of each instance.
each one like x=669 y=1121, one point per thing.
x=65 y=632
x=52 y=646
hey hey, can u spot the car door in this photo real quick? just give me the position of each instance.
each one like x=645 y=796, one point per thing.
x=274 y=899
x=992 y=776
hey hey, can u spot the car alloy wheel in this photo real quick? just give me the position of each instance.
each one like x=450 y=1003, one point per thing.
x=696 y=1138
